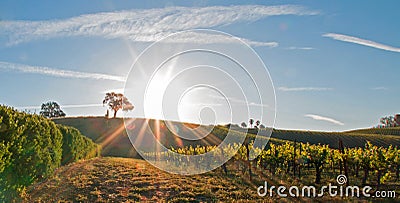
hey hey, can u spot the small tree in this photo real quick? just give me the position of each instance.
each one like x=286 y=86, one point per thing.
x=117 y=101
x=258 y=123
x=243 y=124
x=251 y=121
x=51 y=109
x=388 y=121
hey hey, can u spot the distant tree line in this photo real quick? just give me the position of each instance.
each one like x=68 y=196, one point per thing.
x=51 y=109
x=257 y=125
x=389 y=121
x=113 y=101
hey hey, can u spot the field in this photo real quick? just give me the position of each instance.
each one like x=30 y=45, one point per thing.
x=99 y=129
x=378 y=131
x=116 y=179
x=131 y=180
x=123 y=179
x=349 y=139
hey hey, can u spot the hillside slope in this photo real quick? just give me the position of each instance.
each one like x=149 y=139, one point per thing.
x=111 y=134
x=100 y=130
x=379 y=131
x=332 y=138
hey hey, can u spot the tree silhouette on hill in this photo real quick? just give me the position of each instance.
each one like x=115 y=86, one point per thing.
x=51 y=109
x=251 y=121
x=117 y=101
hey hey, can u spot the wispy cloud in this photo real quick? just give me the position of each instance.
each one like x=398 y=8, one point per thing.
x=239 y=101
x=356 y=40
x=322 y=118
x=298 y=89
x=57 y=72
x=118 y=90
x=379 y=88
x=300 y=48
x=146 y=25
x=68 y=106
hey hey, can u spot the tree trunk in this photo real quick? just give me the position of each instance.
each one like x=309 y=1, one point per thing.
x=248 y=160
x=379 y=178
x=318 y=175
x=366 y=173
x=115 y=113
x=357 y=168
x=224 y=165
x=272 y=166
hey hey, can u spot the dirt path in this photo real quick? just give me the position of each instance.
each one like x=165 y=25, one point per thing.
x=132 y=180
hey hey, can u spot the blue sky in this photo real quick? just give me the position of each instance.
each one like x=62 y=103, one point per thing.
x=334 y=65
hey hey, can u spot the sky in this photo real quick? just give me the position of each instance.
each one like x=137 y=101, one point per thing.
x=330 y=66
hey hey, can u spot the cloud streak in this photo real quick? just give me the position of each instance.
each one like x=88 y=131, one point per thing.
x=300 y=48
x=239 y=101
x=300 y=89
x=58 y=72
x=322 y=118
x=146 y=25
x=68 y=106
x=379 y=88
x=356 y=40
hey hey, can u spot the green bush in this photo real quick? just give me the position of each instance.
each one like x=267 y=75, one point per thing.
x=76 y=146
x=30 y=149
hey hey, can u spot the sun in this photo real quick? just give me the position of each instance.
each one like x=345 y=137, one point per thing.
x=155 y=91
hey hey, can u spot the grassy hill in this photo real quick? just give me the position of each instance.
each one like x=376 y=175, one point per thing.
x=111 y=179
x=332 y=138
x=99 y=130
x=111 y=134
x=378 y=131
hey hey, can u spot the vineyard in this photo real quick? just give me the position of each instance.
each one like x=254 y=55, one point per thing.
x=350 y=139
x=99 y=129
x=378 y=131
x=371 y=165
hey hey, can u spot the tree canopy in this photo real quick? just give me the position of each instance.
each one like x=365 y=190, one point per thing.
x=51 y=109
x=388 y=121
x=116 y=101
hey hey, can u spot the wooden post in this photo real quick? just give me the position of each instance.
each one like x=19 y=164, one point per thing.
x=206 y=158
x=224 y=164
x=300 y=164
x=248 y=159
x=341 y=149
x=294 y=158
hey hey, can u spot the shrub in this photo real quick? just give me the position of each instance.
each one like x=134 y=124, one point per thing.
x=30 y=149
x=76 y=146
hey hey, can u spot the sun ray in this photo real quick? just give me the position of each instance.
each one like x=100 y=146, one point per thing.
x=113 y=135
x=139 y=138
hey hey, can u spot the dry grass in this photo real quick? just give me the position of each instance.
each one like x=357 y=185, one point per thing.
x=132 y=180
